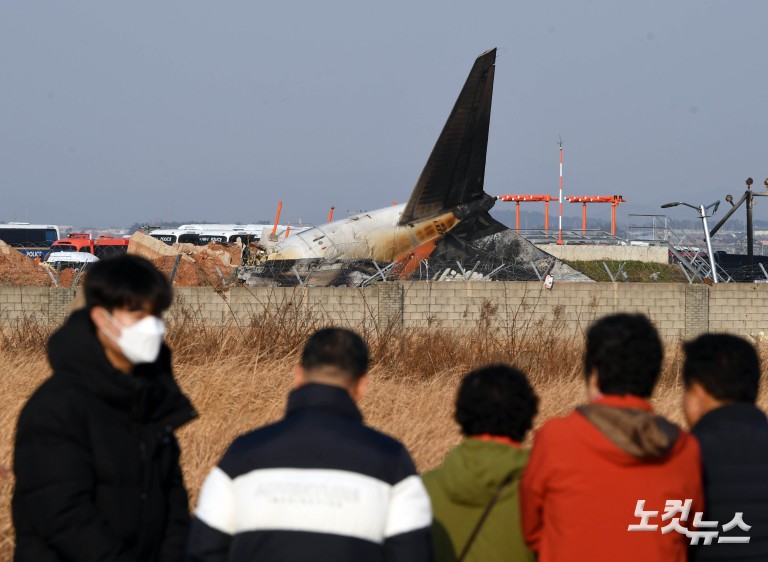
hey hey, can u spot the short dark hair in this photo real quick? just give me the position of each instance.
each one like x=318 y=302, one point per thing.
x=338 y=348
x=726 y=366
x=496 y=400
x=626 y=352
x=127 y=281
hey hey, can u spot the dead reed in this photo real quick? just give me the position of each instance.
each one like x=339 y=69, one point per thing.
x=238 y=379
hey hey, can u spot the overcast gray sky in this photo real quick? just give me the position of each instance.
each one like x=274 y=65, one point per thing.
x=117 y=112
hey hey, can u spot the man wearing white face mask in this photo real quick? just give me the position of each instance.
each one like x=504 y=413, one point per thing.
x=96 y=462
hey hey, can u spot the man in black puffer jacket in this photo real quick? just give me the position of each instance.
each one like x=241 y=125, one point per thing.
x=722 y=381
x=96 y=462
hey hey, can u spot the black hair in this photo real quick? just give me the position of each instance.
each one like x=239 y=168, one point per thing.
x=336 y=347
x=496 y=400
x=127 y=281
x=626 y=352
x=726 y=366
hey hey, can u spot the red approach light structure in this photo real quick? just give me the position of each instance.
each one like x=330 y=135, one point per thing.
x=517 y=199
x=277 y=217
x=614 y=200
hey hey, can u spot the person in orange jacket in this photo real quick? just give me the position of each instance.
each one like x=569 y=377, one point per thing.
x=612 y=480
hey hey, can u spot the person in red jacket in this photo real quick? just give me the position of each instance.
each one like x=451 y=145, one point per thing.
x=612 y=480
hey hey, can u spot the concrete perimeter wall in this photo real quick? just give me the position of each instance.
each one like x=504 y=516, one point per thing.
x=679 y=310
x=592 y=252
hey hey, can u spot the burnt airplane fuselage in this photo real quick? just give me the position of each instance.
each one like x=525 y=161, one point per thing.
x=448 y=191
x=377 y=235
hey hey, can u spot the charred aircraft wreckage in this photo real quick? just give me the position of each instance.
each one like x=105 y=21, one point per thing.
x=443 y=231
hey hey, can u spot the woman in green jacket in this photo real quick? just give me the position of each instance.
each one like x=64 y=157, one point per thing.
x=475 y=493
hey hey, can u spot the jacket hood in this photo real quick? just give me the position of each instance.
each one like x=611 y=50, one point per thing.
x=150 y=393
x=473 y=472
x=635 y=430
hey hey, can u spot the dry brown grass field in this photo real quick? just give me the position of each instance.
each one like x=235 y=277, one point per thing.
x=238 y=379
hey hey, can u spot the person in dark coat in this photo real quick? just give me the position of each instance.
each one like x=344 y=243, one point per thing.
x=96 y=461
x=722 y=378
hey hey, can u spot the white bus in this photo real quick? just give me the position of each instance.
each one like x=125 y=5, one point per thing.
x=172 y=235
x=202 y=234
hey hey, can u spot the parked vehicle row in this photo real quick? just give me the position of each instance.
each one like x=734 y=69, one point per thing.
x=202 y=234
x=80 y=249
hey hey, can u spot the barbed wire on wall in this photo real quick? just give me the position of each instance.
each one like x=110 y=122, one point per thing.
x=207 y=270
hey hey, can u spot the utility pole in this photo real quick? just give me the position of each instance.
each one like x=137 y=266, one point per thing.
x=560 y=218
x=750 y=228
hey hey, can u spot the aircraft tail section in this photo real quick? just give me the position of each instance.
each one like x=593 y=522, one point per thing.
x=455 y=171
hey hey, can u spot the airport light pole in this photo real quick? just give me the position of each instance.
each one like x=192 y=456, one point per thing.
x=748 y=197
x=560 y=217
x=702 y=210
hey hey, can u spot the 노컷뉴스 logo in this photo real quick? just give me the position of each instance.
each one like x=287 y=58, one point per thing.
x=677 y=511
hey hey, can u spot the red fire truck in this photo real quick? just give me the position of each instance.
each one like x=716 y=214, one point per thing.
x=101 y=247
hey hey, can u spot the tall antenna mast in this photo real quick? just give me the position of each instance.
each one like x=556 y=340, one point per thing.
x=560 y=218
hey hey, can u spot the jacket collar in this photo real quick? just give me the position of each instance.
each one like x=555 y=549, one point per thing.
x=736 y=412
x=149 y=394
x=497 y=439
x=323 y=397
x=624 y=401
x=472 y=472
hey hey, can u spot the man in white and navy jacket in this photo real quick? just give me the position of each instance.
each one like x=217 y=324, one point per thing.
x=318 y=485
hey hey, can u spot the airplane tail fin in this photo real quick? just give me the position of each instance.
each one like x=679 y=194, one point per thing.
x=455 y=170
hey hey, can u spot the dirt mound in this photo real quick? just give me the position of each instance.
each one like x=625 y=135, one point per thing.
x=68 y=276
x=152 y=248
x=229 y=255
x=201 y=270
x=199 y=266
x=17 y=269
x=204 y=266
